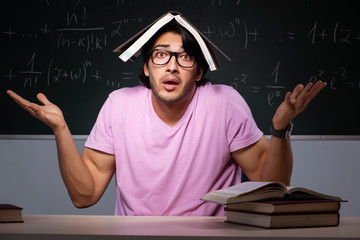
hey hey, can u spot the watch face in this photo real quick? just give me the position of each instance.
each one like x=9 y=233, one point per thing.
x=289 y=130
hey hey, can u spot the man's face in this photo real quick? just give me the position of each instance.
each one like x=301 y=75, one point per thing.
x=171 y=83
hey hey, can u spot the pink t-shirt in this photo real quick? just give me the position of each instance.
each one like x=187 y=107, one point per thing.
x=163 y=170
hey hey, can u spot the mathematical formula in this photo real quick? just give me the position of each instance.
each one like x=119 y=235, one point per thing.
x=79 y=40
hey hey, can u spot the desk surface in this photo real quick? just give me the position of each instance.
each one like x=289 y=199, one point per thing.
x=116 y=227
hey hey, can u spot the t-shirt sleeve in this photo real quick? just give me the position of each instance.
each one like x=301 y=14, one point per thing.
x=101 y=137
x=242 y=128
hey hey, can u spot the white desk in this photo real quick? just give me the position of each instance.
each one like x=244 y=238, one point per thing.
x=112 y=227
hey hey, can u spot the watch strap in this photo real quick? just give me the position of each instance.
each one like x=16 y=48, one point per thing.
x=285 y=133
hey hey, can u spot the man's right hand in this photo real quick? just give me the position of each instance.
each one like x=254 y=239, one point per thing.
x=86 y=176
x=48 y=113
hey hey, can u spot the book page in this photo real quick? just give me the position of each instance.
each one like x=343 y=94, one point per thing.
x=243 y=189
x=248 y=191
x=246 y=187
x=301 y=192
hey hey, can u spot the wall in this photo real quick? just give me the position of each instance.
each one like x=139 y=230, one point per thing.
x=30 y=178
x=29 y=175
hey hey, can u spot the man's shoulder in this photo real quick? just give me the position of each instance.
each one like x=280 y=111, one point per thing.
x=221 y=95
x=217 y=87
x=217 y=91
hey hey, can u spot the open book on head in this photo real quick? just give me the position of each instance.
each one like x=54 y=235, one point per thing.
x=132 y=47
x=257 y=191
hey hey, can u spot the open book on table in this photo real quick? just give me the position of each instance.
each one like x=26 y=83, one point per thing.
x=132 y=47
x=258 y=191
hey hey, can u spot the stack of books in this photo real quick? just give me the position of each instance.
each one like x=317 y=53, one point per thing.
x=275 y=205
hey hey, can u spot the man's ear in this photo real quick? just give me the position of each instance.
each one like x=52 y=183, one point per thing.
x=146 y=70
x=199 y=74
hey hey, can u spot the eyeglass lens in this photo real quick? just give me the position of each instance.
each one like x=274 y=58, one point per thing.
x=162 y=57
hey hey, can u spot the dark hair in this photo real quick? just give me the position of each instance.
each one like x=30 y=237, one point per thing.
x=190 y=46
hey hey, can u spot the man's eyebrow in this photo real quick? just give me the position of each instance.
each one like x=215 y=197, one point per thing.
x=164 y=46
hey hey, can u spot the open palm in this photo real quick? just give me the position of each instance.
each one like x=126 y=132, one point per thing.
x=296 y=102
x=48 y=113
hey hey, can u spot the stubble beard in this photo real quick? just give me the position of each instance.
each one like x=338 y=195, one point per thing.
x=166 y=97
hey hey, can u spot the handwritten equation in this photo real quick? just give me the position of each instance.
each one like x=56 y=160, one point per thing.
x=70 y=57
x=336 y=79
x=58 y=72
x=316 y=34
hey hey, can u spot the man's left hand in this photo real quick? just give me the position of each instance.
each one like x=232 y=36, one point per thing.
x=295 y=102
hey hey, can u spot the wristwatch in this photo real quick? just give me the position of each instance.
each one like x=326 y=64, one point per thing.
x=285 y=133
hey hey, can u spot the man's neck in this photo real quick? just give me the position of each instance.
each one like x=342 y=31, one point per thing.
x=170 y=113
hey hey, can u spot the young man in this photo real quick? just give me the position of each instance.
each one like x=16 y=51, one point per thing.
x=173 y=139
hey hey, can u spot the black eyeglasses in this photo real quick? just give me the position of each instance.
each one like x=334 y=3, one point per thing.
x=162 y=57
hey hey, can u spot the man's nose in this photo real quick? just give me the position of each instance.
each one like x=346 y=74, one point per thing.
x=172 y=65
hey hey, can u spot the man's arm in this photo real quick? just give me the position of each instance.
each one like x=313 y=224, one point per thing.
x=87 y=176
x=273 y=161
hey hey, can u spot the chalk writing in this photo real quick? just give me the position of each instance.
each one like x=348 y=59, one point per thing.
x=124 y=2
x=338 y=34
x=56 y=45
x=336 y=78
x=10 y=75
x=58 y=72
x=230 y=32
x=87 y=42
x=30 y=75
x=10 y=33
x=121 y=22
x=275 y=73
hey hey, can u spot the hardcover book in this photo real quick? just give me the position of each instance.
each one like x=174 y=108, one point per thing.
x=286 y=207
x=284 y=220
x=10 y=213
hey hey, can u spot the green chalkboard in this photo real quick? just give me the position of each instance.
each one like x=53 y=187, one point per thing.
x=64 y=49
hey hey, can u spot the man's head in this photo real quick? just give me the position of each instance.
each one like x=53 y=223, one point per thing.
x=189 y=44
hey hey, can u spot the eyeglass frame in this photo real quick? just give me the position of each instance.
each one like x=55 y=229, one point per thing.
x=171 y=55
